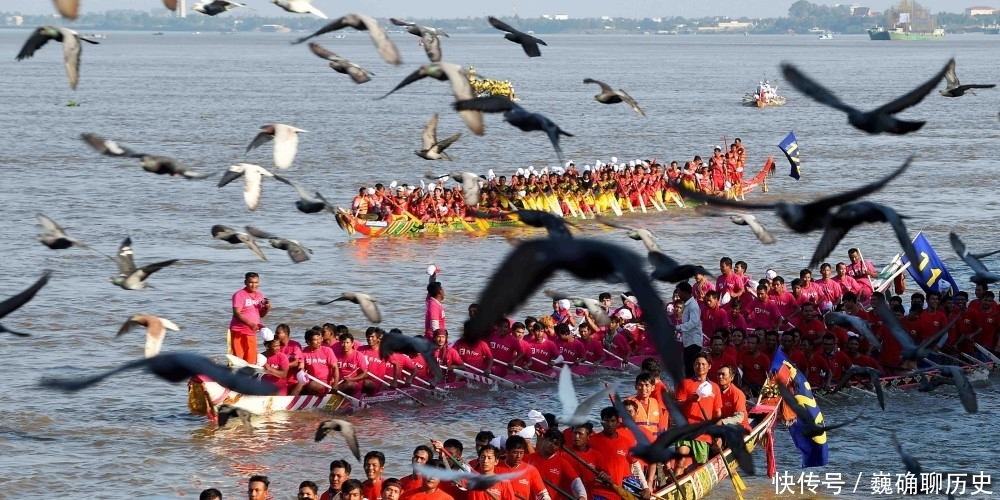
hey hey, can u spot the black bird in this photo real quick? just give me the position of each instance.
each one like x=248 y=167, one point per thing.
x=867 y=372
x=733 y=437
x=802 y=218
x=345 y=428
x=852 y=214
x=980 y=275
x=611 y=96
x=14 y=303
x=230 y=235
x=661 y=449
x=361 y=22
x=226 y=412
x=341 y=65
x=308 y=203
x=54 y=236
x=528 y=42
x=534 y=261
x=876 y=121
x=807 y=425
x=665 y=268
x=172 y=367
x=428 y=37
x=853 y=323
x=296 y=251
x=910 y=350
x=130 y=277
x=161 y=165
x=458 y=77
x=955 y=89
x=405 y=344
x=216 y=7
x=71 y=48
x=966 y=394
x=516 y=116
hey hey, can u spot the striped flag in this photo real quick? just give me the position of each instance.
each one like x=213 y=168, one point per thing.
x=815 y=452
x=791 y=150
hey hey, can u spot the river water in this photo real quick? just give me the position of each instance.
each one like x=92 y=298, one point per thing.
x=201 y=98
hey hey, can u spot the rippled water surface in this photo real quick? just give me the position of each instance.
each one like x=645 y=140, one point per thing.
x=201 y=99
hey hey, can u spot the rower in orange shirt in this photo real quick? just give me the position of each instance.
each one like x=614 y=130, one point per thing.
x=530 y=484
x=614 y=463
x=556 y=469
x=421 y=455
x=734 y=402
x=488 y=459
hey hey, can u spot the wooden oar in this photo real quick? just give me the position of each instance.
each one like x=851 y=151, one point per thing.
x=737 y=481
x=397 y=389
x=430 y=387
x=986 y=352
x=357 y=402
x=622 y=492
x=498 y=380
x=623 y=360
x=536 y=360
x=525 y=370
x=558 y=490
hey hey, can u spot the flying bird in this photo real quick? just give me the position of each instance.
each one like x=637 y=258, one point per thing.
x=160 y=165
x=910 y=350
x=468 y=181
x=534 y=261
x=912 y=464
x=14 y=303
x=397 y=342
x=428 y=37
x=286 y=142
x=806 y=424
x=660 y=449
x=299 y=7
x=216 y=7
x=431 y=147
x=665 y=268
x=253 y=177
x=341 y=65
x=367 y=303
x=225 y=413
x=753 y=222
x=296 y=251
x=864 y=372
x=361 y=22
x=854 y=323
x=473 y=480
x=593 y=307
x=71 y=8
x=132 y=278
x=955 y=89
x=71 y=48
x=801 y=217
x=852 y=214
x=877 y=120
x=230 y=235
x=611 y=96
x=557 y=227
x=460 y=87
x=308 y=203
x=526 y=41
x=54 y=236
x=574 y=411
x=516 y=116
x=966 y=394
x=980 y=275
x=172 y=367
x=345 y=428
x=156 y=330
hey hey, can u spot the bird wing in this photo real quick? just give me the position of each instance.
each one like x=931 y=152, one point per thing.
x=950 y=77
x=966 y=394
x=126 y=264
x=357 y=73
x=899 y=228
x=346 y=429
x=251 y=244
x=849 y=196
x=440 y=146
x=916 y=95
x=429 y=137
x=604 y=87
x=71 y=55
x=68 y=8
x=400 y=22
x=224 y=233
x=369 y=307
x=296 y=251
x=502 y=26
x=253 y=185
x=813 y=89
x=567 y=393
x=181 y=366
x=489 y=104
x=419 y=74
x=286 y=145
x=963 y=252
x=51 y=227
x=334 y=25
x=144 y=272
x=459 y=80
x=470 y=188
x=932 y=340
x=260 y=138
x=106 y=147
x=322 y=52
x=14 y=303
x=896 y=329
x=383 y=44
x=631 y=102
x=38 y=38
x=758 y=230
x=258 y=233
x=432 y=45
x=640 y=437
x=800 y=411
x=832 y=235
x=74 y=384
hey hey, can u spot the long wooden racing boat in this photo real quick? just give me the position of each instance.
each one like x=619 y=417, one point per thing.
x=699 y=482
x=907 y=381
x=572 y=206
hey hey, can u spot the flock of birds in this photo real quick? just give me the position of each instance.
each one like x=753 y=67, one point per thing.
x=532 y=262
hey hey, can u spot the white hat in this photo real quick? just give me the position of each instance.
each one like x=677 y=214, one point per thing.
x=631 y=163
x=430 y=187
x=528 y=432
x=624 y=314
x=401 y=189
x=371 y=191
x=520 y=171
x=563 y=304
x=705 y=389
x=393 y=184
x=432 y=270
x=586 y=168
x=522 y=193
x=771 y=274
x=490 y=174
x=535 y=417
x=267 y=334
x=614 y=159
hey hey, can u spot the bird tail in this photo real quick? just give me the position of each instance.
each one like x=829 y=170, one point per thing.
x=905 y=127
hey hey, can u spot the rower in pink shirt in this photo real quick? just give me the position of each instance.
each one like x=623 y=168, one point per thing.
x=506 y=348
x=571 y=349
x=475 y=353
x=701 y=287
x=811 y=292
x=832 y=291
x=728 y=281
x=783 y=298
x=353 y=368
x=862 y=271
x=764 y=312
x=541 y=351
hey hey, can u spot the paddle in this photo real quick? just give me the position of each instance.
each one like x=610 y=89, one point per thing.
x=525 y=370
x=397 y=389
x=986 y=352
x=498 y=380
x=239 y=362
x=623 y=361
x=558 y=490
x=737 y=481
x=622 y=492
x=536 y=360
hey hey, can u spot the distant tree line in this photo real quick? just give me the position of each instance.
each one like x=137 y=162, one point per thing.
x=802 y=15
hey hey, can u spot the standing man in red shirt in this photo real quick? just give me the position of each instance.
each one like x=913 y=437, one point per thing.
x=249 y=307
x=434 y=316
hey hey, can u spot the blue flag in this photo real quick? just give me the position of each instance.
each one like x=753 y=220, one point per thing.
x=791 y=150
x=815 y=452
x=930 y=273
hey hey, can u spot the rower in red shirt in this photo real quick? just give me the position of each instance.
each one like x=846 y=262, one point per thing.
x=529 y=485
x=839 y=361
x=428 y=489
x=809 y=325
x=700 y=399
x=792 y=351
x=755 y=365
x=734 y=402
x=719 y=357
x=554 y=467
x=816 y=369
x=858 y=359
x=614 y=463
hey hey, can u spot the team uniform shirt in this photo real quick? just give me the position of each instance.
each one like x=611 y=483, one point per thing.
x=593 y=350
x=786 y=304
x=839 y=361
x=755 y=368
x=405 y=364
x=293 y=351
x=319 y=363
x=763 y=314
x=501 y=491
x=590 y=457
x=933 y=321
x=447 y=357
x=572 y=351
x=796 y=356
x=277 y=361
x=831 y=291
x=812 y=293
x=475 y=354
x=372 y=490
x=377 y=367
x=530 y=484
x=733 y=401
x=613 y=458
x=700 y=289
x=711 y=319
x=411 y=484
x=865 y=360
x=815 y=369
x=729 y=283
x=352 y=364
x=250 y=306
x=434 y=318
x=726 y=359
x=859 y=272
x=504 y=349
x=812 y=329
x=418 y=494
x=848 y=284
x=543 y=352
x=696 y=411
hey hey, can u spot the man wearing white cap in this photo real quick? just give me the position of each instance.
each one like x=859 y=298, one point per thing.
x=276 y=365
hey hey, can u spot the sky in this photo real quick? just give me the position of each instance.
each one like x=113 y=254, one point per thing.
x=524 y=8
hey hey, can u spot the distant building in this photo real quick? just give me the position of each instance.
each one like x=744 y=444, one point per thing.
x=861 y=11
x=725 y=26
x=14 y=20
x=562 y=17
x=980 y=11
x=606 y=18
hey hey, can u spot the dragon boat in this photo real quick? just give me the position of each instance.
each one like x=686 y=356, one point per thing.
x=571 y=206
x=764 y=96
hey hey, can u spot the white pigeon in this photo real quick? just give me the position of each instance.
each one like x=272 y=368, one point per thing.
x=156 y=330
x=575 y=412
x=253 y=177
x=286 y=142
x=469 y=182
x=299 y=7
